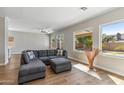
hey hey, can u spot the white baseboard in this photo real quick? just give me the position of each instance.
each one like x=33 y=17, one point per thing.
x=98 y=66
x=75 y=59
x=2 y=64
x=110 y=70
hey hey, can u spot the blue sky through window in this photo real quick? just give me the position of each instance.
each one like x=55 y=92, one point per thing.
x=113 y=29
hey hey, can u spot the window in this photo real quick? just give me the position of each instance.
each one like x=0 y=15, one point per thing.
x=60 y=41
x=57 y=41
x=83 y=40
x=113 y=38
x=53 y=42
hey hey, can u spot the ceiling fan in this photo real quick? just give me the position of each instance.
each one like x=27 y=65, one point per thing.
x=84 y=8
x=46 y=31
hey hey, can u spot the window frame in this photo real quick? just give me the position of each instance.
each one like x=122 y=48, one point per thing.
x=55 y=37
x=62 y=35
x=51 y=46
x=100 y=39
x=81 y=51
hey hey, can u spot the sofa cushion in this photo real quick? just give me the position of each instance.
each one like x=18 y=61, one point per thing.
x=42 y=53
x=60 y=64
x=35 y=53
x=32 y=68
x=53 y=57
x=60 y=61
x=51 y=52
x=44 y=58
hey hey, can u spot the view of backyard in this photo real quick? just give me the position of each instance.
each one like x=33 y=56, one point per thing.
x=113 y=38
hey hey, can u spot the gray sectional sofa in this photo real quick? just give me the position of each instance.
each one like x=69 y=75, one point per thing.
x=35 y=68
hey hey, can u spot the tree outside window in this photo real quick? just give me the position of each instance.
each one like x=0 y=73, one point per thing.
x=83 y=40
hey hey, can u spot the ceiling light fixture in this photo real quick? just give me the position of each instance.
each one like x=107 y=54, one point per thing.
x=84 y=8
x=46 y=31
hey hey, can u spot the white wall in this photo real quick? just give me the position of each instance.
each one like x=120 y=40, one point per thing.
x=25 y=41
x=3 y=40
x=113 y=64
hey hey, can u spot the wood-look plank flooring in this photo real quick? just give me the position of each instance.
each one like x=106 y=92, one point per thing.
x=74 y=77
x=9 y=74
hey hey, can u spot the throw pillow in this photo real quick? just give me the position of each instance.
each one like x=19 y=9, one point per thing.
x=31 y=55
x=59 y=52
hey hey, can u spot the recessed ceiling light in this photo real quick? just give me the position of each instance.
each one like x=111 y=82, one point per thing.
x=84 y=8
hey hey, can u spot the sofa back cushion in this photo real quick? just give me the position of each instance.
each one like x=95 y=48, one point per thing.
x=42 y=53
x=51 y=52
x=35 y=53
x=25 y=57
x=65 y=53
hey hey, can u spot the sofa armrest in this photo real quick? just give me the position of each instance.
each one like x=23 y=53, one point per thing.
x=65 y=53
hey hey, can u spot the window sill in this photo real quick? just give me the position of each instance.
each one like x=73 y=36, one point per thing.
x=103 y=54
x=79 y=51
x=112 y=55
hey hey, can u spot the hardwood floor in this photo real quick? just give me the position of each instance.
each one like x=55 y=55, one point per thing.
x=77 y=77
x=9 y=73
x=80 y=75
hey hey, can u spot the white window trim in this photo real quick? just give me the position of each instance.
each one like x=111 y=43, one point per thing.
x=100 y=40
x=80 y=51
x=60 y=40
x=55 y=36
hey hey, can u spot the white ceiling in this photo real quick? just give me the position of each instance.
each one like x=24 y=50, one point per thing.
x=32 y=19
